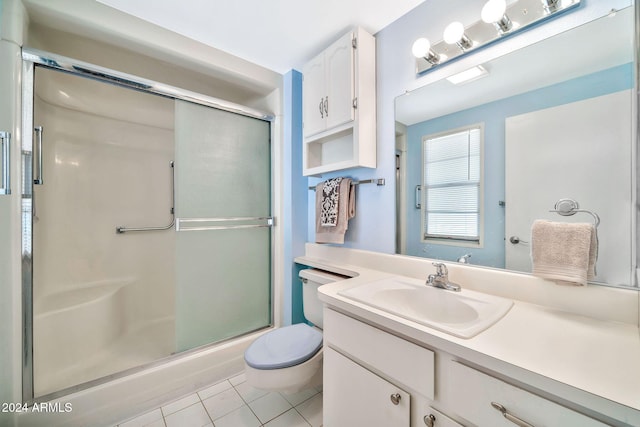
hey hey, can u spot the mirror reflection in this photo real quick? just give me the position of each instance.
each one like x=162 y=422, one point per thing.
x=480 y=160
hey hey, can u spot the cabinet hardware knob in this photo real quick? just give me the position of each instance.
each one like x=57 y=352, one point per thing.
x=395 y=398
x=517 y=421
x=430 y=420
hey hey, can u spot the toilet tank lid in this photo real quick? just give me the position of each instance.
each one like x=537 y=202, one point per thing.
x=284 y=347
x=320 y=276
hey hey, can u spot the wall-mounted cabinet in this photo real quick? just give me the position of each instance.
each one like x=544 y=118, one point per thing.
x=339 y=103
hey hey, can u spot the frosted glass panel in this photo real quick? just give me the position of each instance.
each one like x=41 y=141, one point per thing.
x=223 y=276
x=223 y=287
x=222 y=163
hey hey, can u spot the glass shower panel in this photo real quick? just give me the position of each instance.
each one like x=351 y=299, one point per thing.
x=223 y=206
x=103 y=302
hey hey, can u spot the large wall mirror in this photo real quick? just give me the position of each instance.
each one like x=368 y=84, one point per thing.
x=554 y=120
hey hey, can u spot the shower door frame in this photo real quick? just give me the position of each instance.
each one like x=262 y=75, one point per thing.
x=32 y=58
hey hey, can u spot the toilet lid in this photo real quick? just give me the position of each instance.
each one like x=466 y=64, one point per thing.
x=284 y=347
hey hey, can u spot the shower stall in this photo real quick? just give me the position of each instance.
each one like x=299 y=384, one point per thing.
x=146 y=224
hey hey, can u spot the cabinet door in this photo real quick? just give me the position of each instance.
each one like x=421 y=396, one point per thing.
x=354 y=396
x=340 y=75
x=314 y=96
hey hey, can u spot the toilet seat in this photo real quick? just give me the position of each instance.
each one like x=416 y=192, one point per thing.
x=284 y=347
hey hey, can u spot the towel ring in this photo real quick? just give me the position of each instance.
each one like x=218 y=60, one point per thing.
x=568 y=207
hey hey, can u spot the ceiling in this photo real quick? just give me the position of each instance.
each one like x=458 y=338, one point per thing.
x=276 y=34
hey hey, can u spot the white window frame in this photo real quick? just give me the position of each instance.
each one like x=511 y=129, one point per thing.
x=452 y=240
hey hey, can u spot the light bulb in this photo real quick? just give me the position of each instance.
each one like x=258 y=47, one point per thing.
x=493 y=11
x=421 y=47
x=453 y=33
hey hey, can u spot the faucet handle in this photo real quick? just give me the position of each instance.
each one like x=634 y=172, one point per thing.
x=441 y=269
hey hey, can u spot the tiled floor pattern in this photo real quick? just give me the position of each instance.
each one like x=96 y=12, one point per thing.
x=234 y=403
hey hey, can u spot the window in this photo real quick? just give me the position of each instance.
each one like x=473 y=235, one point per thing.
x=451 y=184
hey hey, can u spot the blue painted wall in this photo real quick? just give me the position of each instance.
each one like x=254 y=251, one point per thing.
x=493 y=116
x=294 y=216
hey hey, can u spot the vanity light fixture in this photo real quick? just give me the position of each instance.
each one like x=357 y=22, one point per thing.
x=454 y=34
x=551 y=6
x=422 y=49
x=493 y=12
x=494 y=23
x=469 y=75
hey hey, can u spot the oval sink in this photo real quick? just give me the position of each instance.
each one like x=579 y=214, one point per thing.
x=463 y=314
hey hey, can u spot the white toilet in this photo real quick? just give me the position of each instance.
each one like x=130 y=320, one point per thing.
x=289 y=359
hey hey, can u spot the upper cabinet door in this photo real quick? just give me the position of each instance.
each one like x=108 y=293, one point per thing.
x=339 y=58
x=339 y=101
x=313 y=87
x=328 y=87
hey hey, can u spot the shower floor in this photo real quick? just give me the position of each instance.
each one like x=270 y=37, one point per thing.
x=144 y=344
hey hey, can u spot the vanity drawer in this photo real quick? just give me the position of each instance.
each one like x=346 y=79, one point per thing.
x=474 y=394
x=402 y=361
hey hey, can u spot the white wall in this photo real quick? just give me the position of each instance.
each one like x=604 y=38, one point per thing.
x=374 y=225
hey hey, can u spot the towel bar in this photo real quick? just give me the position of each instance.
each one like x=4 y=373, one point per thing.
x=378 y=181
x=568 y=207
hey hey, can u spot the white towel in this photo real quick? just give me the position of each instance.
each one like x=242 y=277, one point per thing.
x=564 y=252
x=346 y=209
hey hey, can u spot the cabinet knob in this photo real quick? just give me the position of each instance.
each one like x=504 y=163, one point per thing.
x=430 y=420
x=395 y=398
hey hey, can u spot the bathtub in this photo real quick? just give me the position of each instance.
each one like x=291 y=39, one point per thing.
x=83 y=333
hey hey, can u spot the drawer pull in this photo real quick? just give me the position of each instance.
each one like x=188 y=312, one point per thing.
x=395 y=398
x=430 y=420
x=517 y=421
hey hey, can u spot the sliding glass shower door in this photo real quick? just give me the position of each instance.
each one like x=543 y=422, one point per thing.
x=146 y=227
x=223 y=265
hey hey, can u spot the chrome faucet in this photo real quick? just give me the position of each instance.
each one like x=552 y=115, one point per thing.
x=441 y=278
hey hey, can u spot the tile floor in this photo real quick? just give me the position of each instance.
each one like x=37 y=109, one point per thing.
x=234 y=403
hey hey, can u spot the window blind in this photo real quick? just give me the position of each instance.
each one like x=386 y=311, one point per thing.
x=452 y=185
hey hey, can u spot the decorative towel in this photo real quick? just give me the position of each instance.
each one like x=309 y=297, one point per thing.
x=346 y=209
x=330 y=202
x=564 y=252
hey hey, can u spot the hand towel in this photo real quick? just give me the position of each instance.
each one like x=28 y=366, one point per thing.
x=346 y=209
x=564 y=252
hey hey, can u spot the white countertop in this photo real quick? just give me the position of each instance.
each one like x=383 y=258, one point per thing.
x=593 y=363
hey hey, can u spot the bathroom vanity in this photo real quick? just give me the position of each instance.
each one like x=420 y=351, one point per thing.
x=559 y=356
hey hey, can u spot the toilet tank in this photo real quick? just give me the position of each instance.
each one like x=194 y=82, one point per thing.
x=311 y=304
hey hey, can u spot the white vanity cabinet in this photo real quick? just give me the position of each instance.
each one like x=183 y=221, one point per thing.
x=339 y=106
x=358 y=397
x=371 y=377
x=375 y=378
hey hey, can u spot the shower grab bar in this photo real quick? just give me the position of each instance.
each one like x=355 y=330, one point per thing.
x=122 y=229
x=203 y=224
x=6 y=163
x=37 y=179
